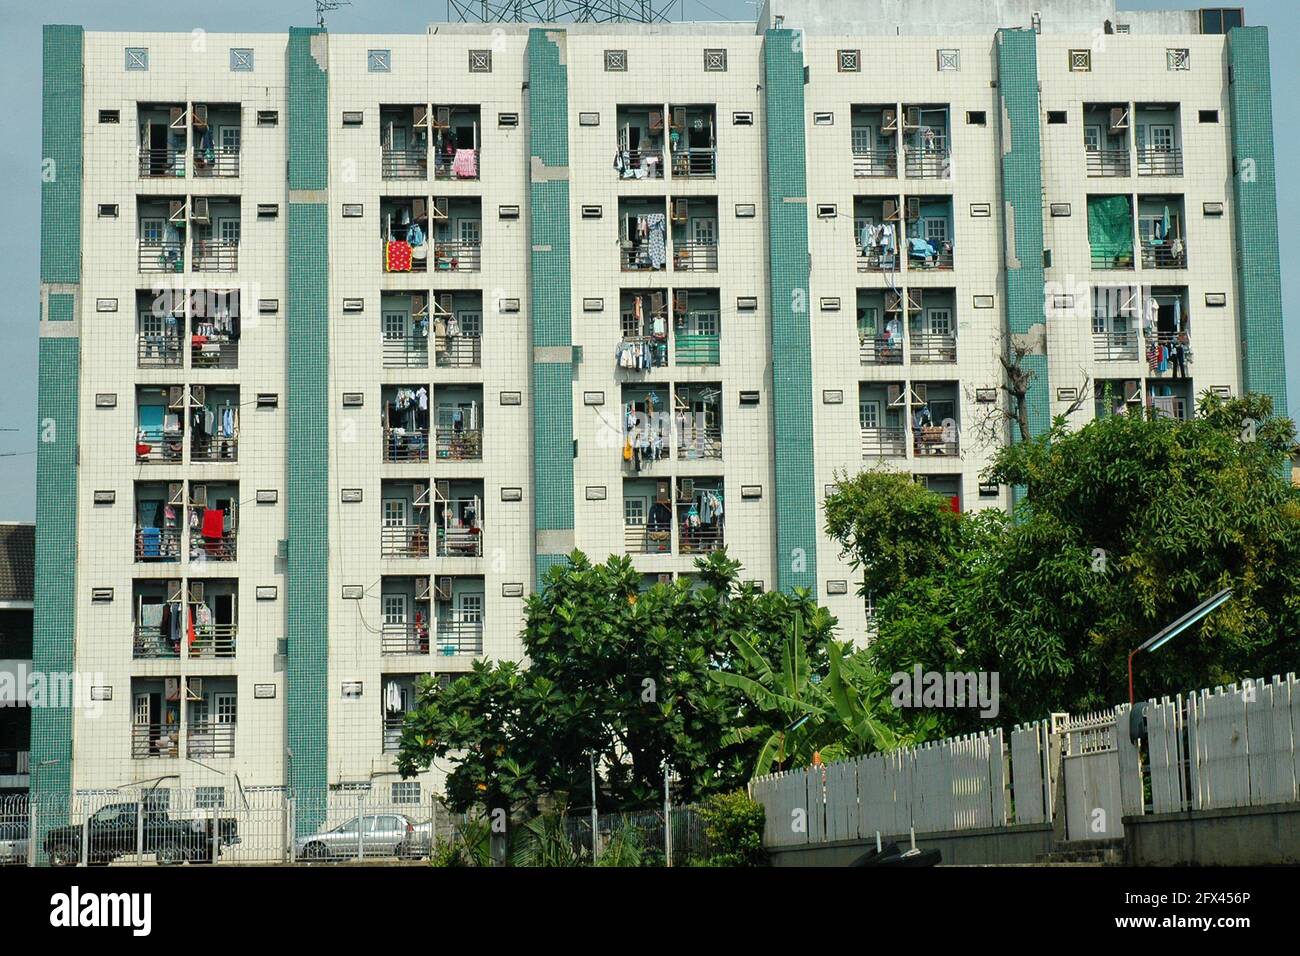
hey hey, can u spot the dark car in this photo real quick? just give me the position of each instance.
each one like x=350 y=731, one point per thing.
x=117 y=830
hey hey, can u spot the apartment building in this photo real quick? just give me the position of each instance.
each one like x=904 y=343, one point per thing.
x=347 y=339
x=17 y=553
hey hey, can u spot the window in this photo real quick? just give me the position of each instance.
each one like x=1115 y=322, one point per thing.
x=228 y=137
x=1178 y=58
x=850 y=61
x=228 y=230
x=406 y=791
x=1208 y=116
x=938 y=321
x=394 y=325
x=394 y=609
x=868 y=414
x=394 y=513
x=634 y=510
x=151 y=230
x=715 y=61
x=1056 y=117
x=107 y=210
x=471 y=323
x=110 y=116
x=470 y=606
x=976 y=118
x=470 y=231
x=1080 y=61
x=1160 y=138
x=1092 y=139
x=379 y=61
x=949 y=61
x=507 y=119
x=1221 y=19
x=268 y=117
x=823 y=119
x=935 y=230
x=480 y=61
x=704 y=231
x=241 y=60
x=137 y=59
x=209 y=798
x=743 y=118
x=616 y=61
x=358 y=117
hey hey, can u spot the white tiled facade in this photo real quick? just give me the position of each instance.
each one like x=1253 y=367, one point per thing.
x=922 y=68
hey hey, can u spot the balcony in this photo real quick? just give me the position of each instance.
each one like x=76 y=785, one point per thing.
x=700 y=516
x=459 y=444
x=931 y=348
x=403 y=349
x=455 y=142
x=158 y=545
x=160 y=425
x=691 y=142
x=875 y=163
x=459 y=537
x=926 y=254
x=1108 y=162
x=209 y=351
x=643 y=539
x=402 y=638
x=1157 y=130
x=211 y=640
x=929 y=162
x=158 y=343
x=697 y=349
x=458 y=351
x=218 y=439
x=162 y=162
x=209 y=738
x=406 y=163
x=216 y=162
x=926 y=147
x=150 y=740
x=161 y=255
x=880 y=350
x=1164 y=254
x=149 y=645
x=216 y=135
x=458 y=256
x=932 y=440
x=392 y=732
x=1115 y=346
x=216 y=255
x=158 y=629
x=695 y=256
x=459 y=637
x=406 y=444
x=456 y=164
x=884 y=443
x=404 y=541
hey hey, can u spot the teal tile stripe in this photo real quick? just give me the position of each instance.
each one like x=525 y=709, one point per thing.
x=550 y=291
x=788 y=298
x=1254 y=190
x=307 y=571
x=1022 y=190
x=61 y=162
x=60 y=306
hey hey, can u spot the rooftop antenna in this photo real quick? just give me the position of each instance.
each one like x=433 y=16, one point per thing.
x=324 y=6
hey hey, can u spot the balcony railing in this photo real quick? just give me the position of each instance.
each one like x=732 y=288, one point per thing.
x=403 y=163
x=159 y=350
x=458 y=351
x=1168 y=341
x=932 y=163
x=149 y=643
x=392 y=258
x=877 y=260
x=14 y=761
x=463 y=445
x=406 y=351
x=1164 y=254
x=698 y=442
x=696 y=162
x=456 y=166
x=157 y=255
x=209 y=738
x=929 y=256
x=641 y=352
x=163 y=161
x=392 y=731
x=932 y=348
x=640 y=539
x=404 y=541
x=692 y=349
x=642 y=163
x=699 y=540
x=1115 y=346
x=206 y=354
x=404 y=444
x=458 y=256
x=155 y=740
x=212 y=641
x=695 y=256
x=637 y=259
x=1170 y=406
x=875 y=163
x=403 y=638
x=935 y=440
x=158 y=544
x=460 y=542
x=884 y=443
x=458 y=637
x=1111 y=260
x=1160 y=162
x=223 y=162
x=216 y=255
x=155 y=446
x=212 y=448
x=879 y=350
x=213 y=549
x=1108 y=162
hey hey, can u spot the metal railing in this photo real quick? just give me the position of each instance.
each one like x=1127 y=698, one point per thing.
x=205 y=448
x=695 y=349
x=1112 y=260
x=155 y=740
x=405 y=351
x=224 y=163
x=214 y=354
x=935 y=440
x=932 y=348
x=212 y=549
x=458 y=637
x=212 y=641
x=406 y=444
x=158 y=544
x=392 y=731
x=404 y=541
x=154 y=446
x=215 y=255
x=933 y=163
x=1115 y=346
x=159 y=350
x=403 y=163
x=1160 y=162
x=942 y=259
x=209 y=738
x=641 y=539
x=162 y=161
x=463 y=445
x=457 y=256
x=877 y=260
x=444 y=166
x=695 y=256
x=650 y=160
x=1164 y=254
x=695 y=162
x=157 y=255
x=403 y=638
x=879 y=350
x=658 y=351
x=875 y=163
x=637 y=259
x=460 y=542
x=458 y=351
x=1107 y=162
x=417 y=265
x=698 y=442
x=884 y=443
x=700 y=540
x=149 y=643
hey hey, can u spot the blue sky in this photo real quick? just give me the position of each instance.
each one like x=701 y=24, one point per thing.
x=20 y=157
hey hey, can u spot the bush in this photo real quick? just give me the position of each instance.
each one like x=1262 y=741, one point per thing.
x=733 y=826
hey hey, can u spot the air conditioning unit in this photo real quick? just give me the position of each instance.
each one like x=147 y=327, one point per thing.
x=1132 y=390
x=889 y=121
x=174 y=591
x=199 y=496
x=199 y=210
x=893 y=301
x=200 y=116
x=194 y=688
x=666 y=578
x=176 y=397
x=442 y=117
x=443 y=590
x=198 y=395
x=196 y=592
x=679 y=117
x=912 y=118
x=1118 y=119
x=889 y=208
x=914 y=297
x=179 y=118
x=894 y=394
x=176 y=493
x=685 y=489
x=422 y=589
x=662 y=493
x=420 y=117
x=681 y=301
x=920 y=394
x=913 y=208
x=442 y=490
x=445 y=304
x=440 y=206
x=176 y=211
x=680 y=210
x=420 y=495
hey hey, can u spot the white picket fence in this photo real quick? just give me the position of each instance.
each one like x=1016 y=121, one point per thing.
x=1229 y=747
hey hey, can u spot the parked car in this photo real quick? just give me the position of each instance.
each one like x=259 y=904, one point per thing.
x=13 y=843
x=368 y=836
x=114 y=832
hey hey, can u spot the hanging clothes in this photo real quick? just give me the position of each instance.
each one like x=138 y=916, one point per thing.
x=214 y=522
x=656 y=238
x=465 y=164
x=397 y=256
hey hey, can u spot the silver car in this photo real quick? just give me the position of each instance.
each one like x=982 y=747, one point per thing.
x=13 y=843
x=368 y=836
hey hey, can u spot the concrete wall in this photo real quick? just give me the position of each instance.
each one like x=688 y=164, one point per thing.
x=1239 y=836
x=1000 y=846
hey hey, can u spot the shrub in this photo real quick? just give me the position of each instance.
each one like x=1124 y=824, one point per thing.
x=733 y=826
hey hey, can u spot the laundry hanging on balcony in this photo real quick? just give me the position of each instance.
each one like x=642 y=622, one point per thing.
x=465 y=164
x=214 y=520
x=1110 y=229
x=397 y=256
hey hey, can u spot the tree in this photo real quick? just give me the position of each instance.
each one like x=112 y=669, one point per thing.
x=614 y=671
